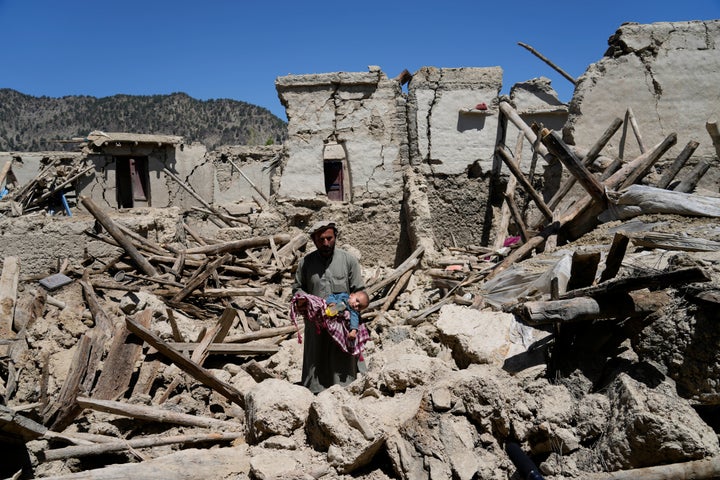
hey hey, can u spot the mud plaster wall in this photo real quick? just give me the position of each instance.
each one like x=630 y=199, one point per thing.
x=42 y=242
x=441 y=134
x=258 y=164
x=187 y=161
x=668 y=74
x=455 y=144
x=365 y=113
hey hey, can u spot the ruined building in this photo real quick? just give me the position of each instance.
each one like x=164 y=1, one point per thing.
x=418 y=165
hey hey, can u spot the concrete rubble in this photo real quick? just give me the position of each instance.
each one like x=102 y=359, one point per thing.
x=155 y=341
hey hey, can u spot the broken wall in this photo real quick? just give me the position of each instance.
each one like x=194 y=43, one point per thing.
x=454 y=127
x=185 y=160
x=245 y=174
x=355 y=118
x=667 y=74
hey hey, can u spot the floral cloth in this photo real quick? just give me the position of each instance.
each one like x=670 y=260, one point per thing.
x=337 y=327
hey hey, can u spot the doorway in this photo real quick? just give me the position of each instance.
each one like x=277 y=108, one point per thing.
x=335 y=168
x=132 y=181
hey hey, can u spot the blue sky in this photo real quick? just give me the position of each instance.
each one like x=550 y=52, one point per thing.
x=237 y=48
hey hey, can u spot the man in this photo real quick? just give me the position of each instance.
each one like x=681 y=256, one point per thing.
x=323 y=272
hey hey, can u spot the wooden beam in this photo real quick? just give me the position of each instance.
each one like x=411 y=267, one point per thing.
x=187 y=365
x=9 y=281
x=119 y=236
x=537 y=198
x=238 y=245
x=669 y=174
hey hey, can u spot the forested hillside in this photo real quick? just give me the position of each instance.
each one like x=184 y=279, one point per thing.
x=29 y=124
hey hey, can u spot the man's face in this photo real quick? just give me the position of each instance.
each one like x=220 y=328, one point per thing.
x=325 y=242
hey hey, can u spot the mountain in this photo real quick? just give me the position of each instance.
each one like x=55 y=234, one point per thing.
x=32 y=124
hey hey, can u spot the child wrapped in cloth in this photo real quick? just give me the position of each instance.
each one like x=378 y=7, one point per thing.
x=315 y=311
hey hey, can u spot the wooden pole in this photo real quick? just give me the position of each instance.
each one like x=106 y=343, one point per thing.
x=152 y=441
x=155 y=414
x=636 y=130
x=551 y=64
x=705 y=469
x=537 y=198
x=557 y=147
x=248 y=180
x=238 y=245
x=197 y=197
x=513 y=116
x=590 y=157
x=689 y=183
x=119 y=237
x=669 y=174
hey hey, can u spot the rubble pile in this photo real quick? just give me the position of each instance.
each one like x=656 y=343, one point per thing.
x=574 y=349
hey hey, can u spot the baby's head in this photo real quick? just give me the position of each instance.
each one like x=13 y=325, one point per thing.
x=359 y=300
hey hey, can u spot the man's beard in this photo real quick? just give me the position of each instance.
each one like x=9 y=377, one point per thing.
x=326 y=251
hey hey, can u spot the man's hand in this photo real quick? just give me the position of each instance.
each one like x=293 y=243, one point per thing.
x=352 y=334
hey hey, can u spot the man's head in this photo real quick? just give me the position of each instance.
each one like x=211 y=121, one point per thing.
x=359 y=300
x=324 y=234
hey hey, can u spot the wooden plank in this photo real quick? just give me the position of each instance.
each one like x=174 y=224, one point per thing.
x=228 y=348
x=583 y=270
x=119 y=364
x=200 y=353
x=615 y=256
x=191 y=368
x=185 y=464
x=8 y=295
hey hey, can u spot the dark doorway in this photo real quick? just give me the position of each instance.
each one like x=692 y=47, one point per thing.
x=334 y=180
x=132 y=182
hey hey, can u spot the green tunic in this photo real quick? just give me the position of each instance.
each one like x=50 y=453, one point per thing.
x=324 y=363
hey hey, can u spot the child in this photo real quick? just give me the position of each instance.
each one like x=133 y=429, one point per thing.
x=354 y=302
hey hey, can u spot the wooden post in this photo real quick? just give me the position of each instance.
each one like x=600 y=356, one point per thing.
x=712 y=128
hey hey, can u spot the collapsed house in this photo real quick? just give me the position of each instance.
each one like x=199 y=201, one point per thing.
x=481 y=341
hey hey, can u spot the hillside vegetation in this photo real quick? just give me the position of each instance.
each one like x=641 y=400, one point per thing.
x=29 y=124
